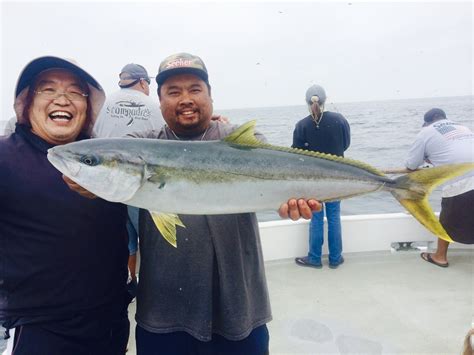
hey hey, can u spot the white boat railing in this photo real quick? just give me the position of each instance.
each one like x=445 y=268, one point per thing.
x=361 y=233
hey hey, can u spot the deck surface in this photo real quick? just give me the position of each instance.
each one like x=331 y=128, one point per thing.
x=375 y=303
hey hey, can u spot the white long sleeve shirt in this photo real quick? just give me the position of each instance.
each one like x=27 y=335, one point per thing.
x=444 y=142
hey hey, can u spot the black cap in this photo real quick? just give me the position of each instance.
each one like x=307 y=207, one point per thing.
x=433 y=115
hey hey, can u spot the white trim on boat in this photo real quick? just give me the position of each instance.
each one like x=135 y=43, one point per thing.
x=360 y=233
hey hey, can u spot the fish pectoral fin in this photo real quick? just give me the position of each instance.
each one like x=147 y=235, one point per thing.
x=166 y=223
x=147 y=173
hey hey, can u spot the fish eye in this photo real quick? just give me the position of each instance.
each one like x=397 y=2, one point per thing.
x=90 y=160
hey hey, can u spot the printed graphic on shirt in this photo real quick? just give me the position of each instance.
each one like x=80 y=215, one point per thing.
x=128 y=109
x=453 y=131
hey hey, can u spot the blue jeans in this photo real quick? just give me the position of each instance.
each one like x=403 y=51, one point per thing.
x=132 y=229
x=316 y=233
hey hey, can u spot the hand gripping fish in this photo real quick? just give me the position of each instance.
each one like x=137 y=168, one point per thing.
x=235 y=175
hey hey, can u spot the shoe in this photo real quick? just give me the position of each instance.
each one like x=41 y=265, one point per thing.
x=303 y=261
x=336 y=265
x=427 y=257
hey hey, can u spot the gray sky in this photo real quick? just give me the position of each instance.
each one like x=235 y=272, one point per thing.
x=257 y=53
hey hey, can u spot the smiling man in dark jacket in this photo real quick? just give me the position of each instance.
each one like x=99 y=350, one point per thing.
x=63 y=258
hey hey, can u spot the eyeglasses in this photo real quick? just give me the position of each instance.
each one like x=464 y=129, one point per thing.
x=52 y=94
x=147 y=80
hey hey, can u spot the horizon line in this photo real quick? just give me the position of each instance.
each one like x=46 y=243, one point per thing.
x=345 y=102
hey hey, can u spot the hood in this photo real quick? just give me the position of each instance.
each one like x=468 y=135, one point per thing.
x=96 y=94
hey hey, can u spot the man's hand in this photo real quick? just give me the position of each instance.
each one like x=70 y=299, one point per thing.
x=295 y=209
x=78 y=188
x=220 y=118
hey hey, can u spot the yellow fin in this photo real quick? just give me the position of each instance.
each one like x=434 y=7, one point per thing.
x=245 y=135
x=166 y=223
x=421 y=210
x=412 y=191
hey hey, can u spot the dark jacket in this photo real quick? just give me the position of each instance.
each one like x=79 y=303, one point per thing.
x=60 y=253
x=332 y=135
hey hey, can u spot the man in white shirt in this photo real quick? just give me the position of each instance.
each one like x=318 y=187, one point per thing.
x=441 y=142
x=130 y=109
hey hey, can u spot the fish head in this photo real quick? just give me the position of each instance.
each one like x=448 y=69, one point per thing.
x=102 y=166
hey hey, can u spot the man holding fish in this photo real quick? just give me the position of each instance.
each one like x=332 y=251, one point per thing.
x=63 y=258
x=208 y=295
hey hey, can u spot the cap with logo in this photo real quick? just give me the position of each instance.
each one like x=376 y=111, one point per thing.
x=181 y=63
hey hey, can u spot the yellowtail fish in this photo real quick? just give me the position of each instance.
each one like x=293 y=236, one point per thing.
x=234 y=175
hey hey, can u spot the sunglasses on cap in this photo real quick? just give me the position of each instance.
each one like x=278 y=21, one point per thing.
x=125 y=86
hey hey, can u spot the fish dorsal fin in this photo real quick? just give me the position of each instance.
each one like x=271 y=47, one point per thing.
x=166 y=223
x=245 y=135
x=352 y=162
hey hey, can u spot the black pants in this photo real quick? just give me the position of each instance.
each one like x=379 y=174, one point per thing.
x=181 y=343
x=457 y=217
x=76 y=336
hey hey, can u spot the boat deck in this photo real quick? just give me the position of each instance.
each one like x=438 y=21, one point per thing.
x=375 y=303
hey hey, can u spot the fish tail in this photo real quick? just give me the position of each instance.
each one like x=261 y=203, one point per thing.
x=412 y=191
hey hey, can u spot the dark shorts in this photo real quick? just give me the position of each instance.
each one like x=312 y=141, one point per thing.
x=181 y=343
x=457 y=217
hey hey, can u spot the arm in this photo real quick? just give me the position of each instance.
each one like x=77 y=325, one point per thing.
x=347 y=134
x=220 y=118
x=416 y=155
x=298 y=137
x=77 y=188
